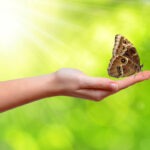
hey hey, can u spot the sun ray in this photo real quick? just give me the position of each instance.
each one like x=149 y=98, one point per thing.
x=34 y=27
x=27 y=32
x=17 y=15
x=46 y=49
x=10 y=26
x=53 y=54
x=49 y=18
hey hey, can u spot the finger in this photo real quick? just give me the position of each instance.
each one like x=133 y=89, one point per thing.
x=141 y=76
x=91 y=94
x=98 y=83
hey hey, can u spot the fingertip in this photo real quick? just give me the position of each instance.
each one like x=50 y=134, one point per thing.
x=114 y=86
x=145 y=75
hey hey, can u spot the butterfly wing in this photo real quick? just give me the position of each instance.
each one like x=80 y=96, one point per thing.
x=125 y=60
x=132 y=54
x=121 y=44
x=121 y=66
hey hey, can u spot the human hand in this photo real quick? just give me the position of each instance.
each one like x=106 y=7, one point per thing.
x=67 y=82
x=72 y=82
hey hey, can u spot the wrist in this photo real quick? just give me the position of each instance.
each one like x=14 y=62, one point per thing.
x=53 y=87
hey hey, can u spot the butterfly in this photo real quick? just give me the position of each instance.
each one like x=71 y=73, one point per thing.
x=125 y=60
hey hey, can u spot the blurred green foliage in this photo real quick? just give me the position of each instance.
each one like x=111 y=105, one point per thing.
x=77 y=34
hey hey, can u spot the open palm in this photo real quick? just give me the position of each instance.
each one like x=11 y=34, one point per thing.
x=72 y=82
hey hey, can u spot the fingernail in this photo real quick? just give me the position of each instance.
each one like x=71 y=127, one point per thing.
x=114 y=86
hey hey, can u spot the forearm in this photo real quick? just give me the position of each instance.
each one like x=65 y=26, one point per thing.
x=21 y=91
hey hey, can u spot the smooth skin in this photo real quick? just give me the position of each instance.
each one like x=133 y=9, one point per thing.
x=66 y=82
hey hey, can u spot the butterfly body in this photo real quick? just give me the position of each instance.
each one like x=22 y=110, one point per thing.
x=125 y=60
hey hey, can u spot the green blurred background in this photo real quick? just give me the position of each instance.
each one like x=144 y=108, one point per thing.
x=41 y=36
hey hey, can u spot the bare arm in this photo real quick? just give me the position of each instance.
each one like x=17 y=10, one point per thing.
x=68 y=82
x=21 y=91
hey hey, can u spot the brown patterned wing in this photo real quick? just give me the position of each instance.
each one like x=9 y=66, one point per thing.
x=121 y=66
x=121 y=44
x=125 y=60
x=132 y=54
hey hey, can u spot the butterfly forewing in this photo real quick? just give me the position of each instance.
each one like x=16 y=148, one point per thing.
x=120 y=45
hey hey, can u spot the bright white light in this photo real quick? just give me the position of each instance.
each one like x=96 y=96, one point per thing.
x=9 y=22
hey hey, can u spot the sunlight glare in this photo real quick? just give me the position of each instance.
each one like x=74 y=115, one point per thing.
x=9 y=23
